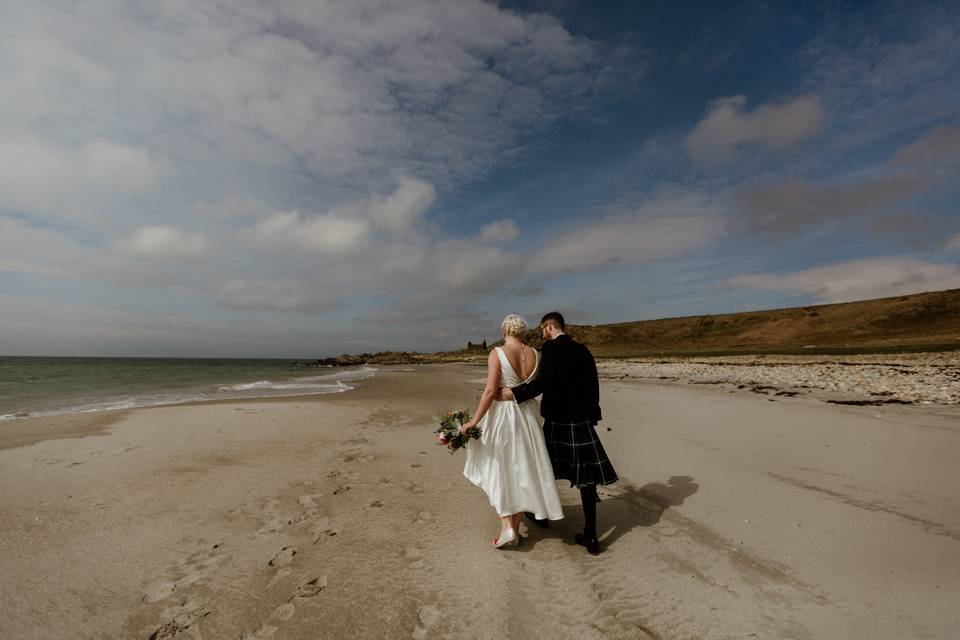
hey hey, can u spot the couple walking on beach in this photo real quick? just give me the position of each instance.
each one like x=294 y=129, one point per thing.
x=515 y=461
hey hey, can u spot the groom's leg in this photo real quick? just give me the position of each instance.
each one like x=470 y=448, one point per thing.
x=589 y=499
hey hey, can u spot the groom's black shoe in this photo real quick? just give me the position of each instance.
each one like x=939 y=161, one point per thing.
x=590 y=542
x=543 y=524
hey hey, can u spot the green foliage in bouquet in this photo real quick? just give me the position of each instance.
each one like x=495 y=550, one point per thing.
x=448 y=433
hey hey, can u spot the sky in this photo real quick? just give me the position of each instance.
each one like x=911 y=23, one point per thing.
x=302 y=178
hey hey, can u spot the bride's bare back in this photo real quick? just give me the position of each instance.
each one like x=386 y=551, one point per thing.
x=521 y=358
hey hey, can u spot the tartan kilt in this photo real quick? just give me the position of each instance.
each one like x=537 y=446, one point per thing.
x=577 y=454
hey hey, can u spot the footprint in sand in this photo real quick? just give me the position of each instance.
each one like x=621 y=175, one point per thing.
x=429 y=617
x=416 y=465
x=283 y=557
x=414 y=556
x=272 y=519
x=181 y=617
x=376 y=504
x=310 y=588
x=422 y=517
x=284 y=612
x=159 y=591
x=342 y=479
x=265 y=632
x=309 y=506
x=280 y=574
x=415 y=488
x=308 y=503
x=322 y=530
x=196 y=567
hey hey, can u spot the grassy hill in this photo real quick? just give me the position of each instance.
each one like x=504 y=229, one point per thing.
x=919 y=322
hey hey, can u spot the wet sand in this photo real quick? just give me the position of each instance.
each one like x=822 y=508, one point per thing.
x=337 y=516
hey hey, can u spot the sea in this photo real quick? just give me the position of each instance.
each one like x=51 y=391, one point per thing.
x=42 y=386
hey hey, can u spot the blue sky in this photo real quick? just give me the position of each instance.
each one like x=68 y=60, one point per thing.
x=308 y=178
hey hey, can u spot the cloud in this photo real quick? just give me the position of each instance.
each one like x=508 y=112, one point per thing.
x=349 y=227
x=952 y=244
x=405 y=207
x=665 y=226
x=161 y=242
x=463 y=267
x=914 y=170
x=272 y=295
x=67 y=180
x=858 y=279
x=938 y=149
x=727 y=125
x=29 y=249
x=787 y=206
x=325 y=233
x=436 y=91
x=298 y=147
x=499 y=231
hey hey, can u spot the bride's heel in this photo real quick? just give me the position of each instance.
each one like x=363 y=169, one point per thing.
x=507 y=538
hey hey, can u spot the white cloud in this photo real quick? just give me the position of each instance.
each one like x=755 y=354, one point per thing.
x=499 y=231
x=274 y=296
x=727 y=125
x=318 y=137
x=350 y=226
x=28 y=249
x=38 y=175
x=326 y=233
x=231 y=206
x=404 y=208
x=161 y=242
x=665 y=226
x=436 y=91
x=858 y=279
x=468 y=268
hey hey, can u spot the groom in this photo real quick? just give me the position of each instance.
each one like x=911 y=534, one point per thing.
x=571 y=409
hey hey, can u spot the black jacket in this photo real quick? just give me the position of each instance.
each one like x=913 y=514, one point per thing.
x=568 y=382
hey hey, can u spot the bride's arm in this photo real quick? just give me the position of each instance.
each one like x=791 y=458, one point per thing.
x=489 y=392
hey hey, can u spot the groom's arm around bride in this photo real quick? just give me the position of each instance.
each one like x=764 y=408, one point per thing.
x=567 y=380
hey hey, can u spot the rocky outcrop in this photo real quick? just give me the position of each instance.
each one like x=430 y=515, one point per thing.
x=382 y=357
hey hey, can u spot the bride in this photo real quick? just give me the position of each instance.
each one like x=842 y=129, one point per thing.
x=510 y=460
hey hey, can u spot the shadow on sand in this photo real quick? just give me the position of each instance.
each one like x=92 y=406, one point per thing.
x=622 y=508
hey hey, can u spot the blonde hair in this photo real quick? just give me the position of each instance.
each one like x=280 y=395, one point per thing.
x=513 y=325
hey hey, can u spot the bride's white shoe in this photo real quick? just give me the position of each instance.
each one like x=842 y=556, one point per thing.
x=506 y=538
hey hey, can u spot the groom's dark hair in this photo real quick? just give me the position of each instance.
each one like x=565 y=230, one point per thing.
x=554 y=316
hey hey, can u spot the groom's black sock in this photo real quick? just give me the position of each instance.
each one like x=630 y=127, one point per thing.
x=589 y=500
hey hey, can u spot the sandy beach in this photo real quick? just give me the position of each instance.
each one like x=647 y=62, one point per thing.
x=739 y=516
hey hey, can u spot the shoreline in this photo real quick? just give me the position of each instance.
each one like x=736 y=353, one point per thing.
x=766 y=376
x=290 y=389
x=920 y=378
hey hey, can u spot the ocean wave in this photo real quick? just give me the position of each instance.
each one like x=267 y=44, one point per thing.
x=308 y=385
x=332 y=381
x=267 y=384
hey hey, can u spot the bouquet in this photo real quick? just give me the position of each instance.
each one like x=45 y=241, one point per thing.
x=448 y=433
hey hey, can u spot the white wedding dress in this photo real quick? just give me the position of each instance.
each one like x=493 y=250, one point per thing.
x=510 y=460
